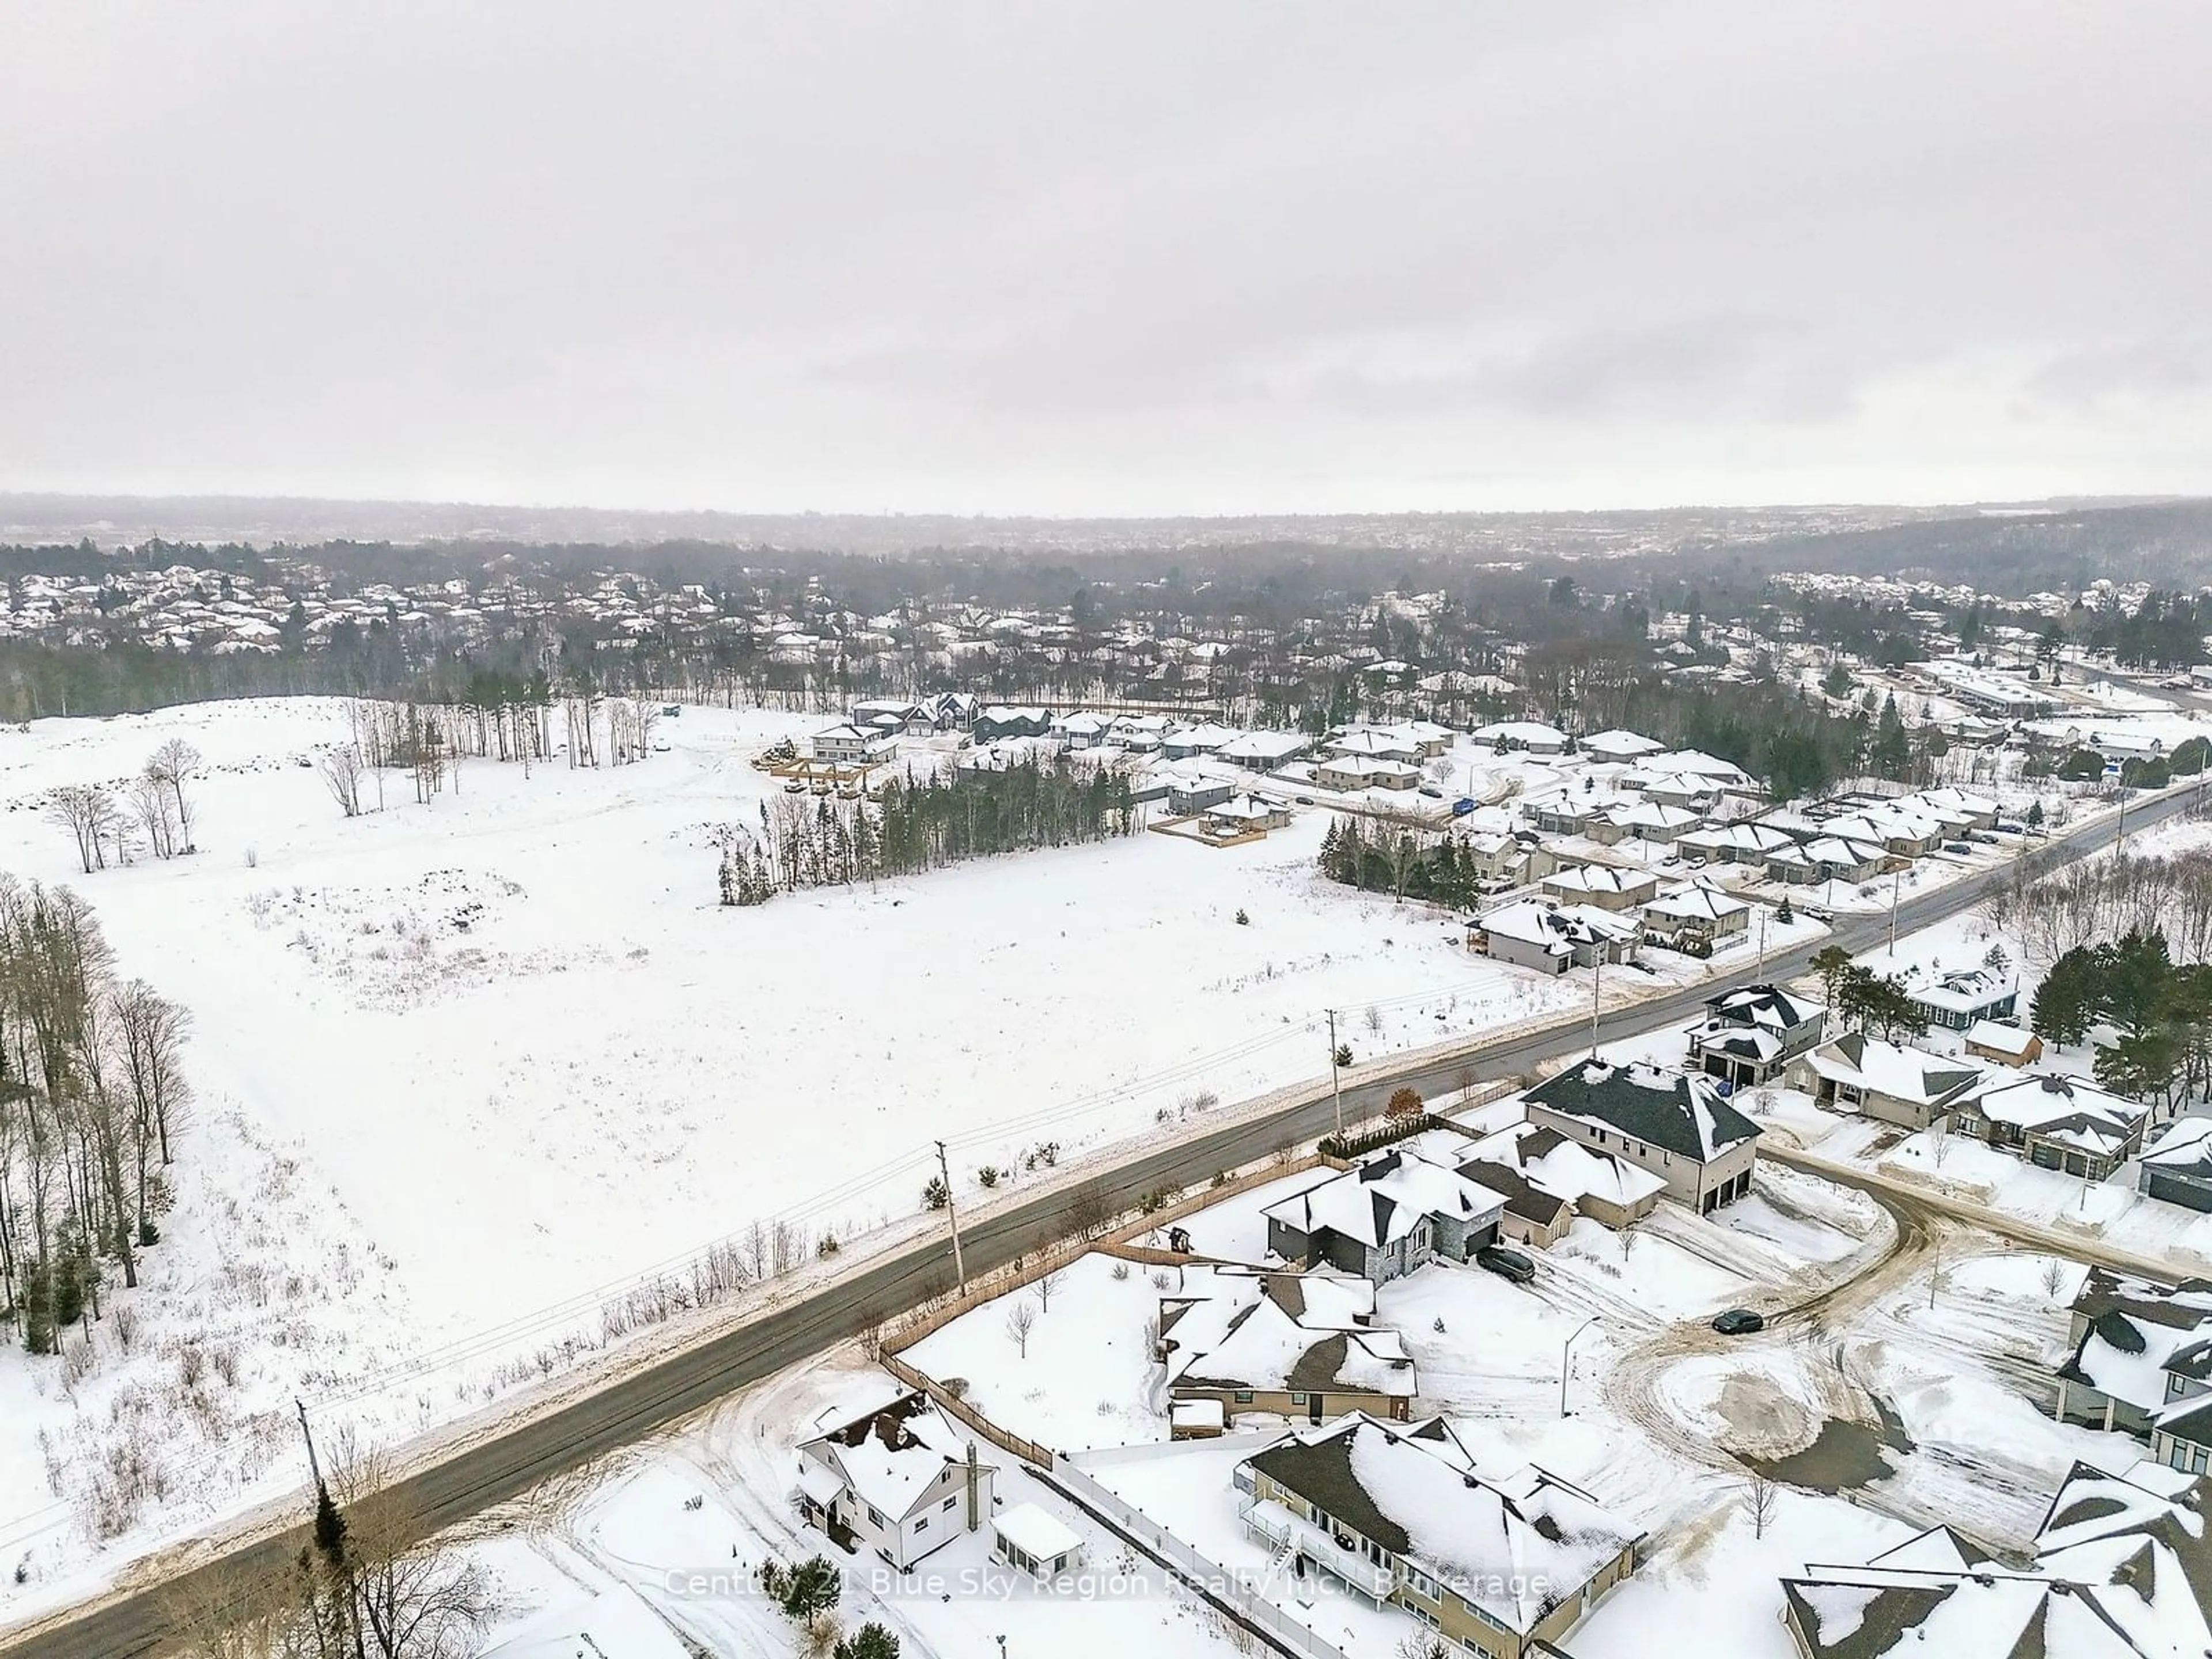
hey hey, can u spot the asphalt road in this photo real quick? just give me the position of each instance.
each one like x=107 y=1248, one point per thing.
x=503 y=1466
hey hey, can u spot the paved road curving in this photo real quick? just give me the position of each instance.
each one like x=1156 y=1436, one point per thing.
x=505 y=1465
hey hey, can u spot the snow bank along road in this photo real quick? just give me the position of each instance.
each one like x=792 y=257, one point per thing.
x=503 y=1466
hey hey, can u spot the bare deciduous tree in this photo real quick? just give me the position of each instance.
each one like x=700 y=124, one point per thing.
x=1047 y=1283
x=87 y=812
x=173 y=766
x=155 y=809
x=1021 y=1320
x=342 y=771
x=1760 y=1495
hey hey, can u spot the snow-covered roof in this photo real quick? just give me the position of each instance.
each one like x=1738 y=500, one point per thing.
x=2057 y=1106
x=1382 y=1199
x=2122 y=1569
x=2186 y=1147
x=1683 y=1115
x=2135 y=1333
x=1596 y=878
x=1556 y=927
x=1531 y=734
x=890 y=1456
x=1036 y=1533
x=1695 y=901
x=1892 y=1069
x=1514 y=1545
x=1618 y=744
x=1564 y=1169
x=1999 y=1037
x=1265 y=746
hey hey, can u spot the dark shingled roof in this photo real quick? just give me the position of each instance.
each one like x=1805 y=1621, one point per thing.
x=1521 y=1199
x=1661 y=1109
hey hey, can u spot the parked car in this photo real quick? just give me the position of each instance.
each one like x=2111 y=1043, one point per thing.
x=1506 y=1264
x=1431 y=791
x=1738 y=1322
x=1303 y=800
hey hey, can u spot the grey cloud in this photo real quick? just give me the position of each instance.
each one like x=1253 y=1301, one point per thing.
x=1089 y=256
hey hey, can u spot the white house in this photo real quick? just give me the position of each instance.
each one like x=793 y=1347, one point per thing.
x=902 y=1481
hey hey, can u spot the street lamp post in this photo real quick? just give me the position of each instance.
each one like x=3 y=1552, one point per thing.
x=1335 y=1086
x=1566 y=1349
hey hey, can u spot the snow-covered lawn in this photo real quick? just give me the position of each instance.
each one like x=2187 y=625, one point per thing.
x=515 y=1057
x=1082 y=1376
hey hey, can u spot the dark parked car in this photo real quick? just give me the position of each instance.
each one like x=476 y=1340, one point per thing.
x=1506 y=1264
x=1738 y=1322
x=1304 y=800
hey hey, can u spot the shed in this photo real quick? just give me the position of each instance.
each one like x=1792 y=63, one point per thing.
x=1038 y=1543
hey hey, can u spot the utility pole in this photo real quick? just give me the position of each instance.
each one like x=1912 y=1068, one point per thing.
x=1597 y=987
x=1335 y=1084
x=314 y=1467
x=1761 y=967
x=2120 y=832
x=1893 y=876
x=1566 y=1349
x=953 y=1215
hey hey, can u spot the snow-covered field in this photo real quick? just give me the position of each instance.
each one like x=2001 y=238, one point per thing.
x=467 y=1069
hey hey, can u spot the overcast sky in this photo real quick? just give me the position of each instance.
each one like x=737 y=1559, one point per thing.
x=1062 y=257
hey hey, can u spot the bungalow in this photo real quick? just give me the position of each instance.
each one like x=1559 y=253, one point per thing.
x=1731 y=843
x=1962 y=998
x=1901 y=834
x=1602 y=884
x=1375 y=743
x=1749 y=1034
x=1905 y=1086
x=1571 y=812
x=1683 y=789
x=1727 y=774
x=1347 y=772
x=1530 y=735
x=1643 y=820
x=1553 y=937
x=1000 y=720
x=2005 y=1045
x=1696 y=910
x=2119 y=1570
x=1263 y=751
x=2142 y=1353
x=1828 y=857
x=1284 y=1343
x=902 y=1480
x=2064 y=1124
x=2178 y=1166
x=1384 y=1216
x=1241 y=814
x=1676 y=1126
x=1195 y=740
x=1619 y=745
x=1500 y=1565
x=1608 y=1189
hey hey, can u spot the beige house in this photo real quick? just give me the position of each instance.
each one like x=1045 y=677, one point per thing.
x=1672 y=1125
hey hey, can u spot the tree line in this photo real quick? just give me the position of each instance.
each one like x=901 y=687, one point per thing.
x=92 y=1099
x=921 y=822
x=1403 y=862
